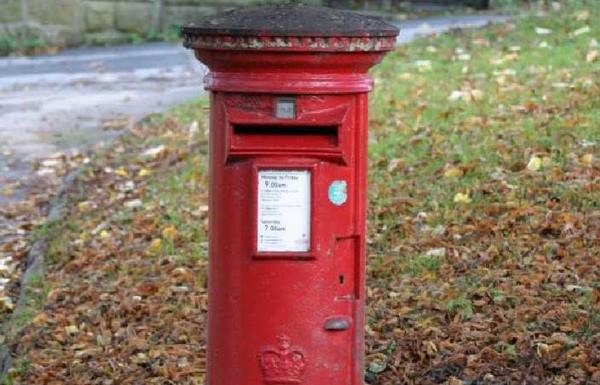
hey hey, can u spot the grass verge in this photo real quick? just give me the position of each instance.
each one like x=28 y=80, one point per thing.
x=484 y=226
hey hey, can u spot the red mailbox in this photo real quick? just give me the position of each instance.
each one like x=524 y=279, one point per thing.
x=288 y=153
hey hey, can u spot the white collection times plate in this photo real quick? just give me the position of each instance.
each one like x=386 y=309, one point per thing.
x=283 y=211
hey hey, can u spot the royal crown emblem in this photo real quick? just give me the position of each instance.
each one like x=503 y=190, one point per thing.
x=282 y=364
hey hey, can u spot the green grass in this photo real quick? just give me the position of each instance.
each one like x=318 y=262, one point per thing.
x=460 y=306
x=524 y=100
x=481 y=280
x=414 y=120
x=34 y=294
x=422 y=264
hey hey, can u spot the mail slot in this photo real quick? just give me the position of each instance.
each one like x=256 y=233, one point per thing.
x=288 y=177
x=288 y=137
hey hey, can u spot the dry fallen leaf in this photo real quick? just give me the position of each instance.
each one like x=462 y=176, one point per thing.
x=121 y=171
x=543 y=31
x=133 y=204
x=155 y=246
x=154 y=152
x=453 y=172
x=71 y=330
x=462 y=198
x=582 y=15
x=169 y=232
x=395 y=164
x=40 y=320
x=144 y=172
x=86 y=206
x=534 y=164
x=587 y=159
x=6 y=304
x=581 y=31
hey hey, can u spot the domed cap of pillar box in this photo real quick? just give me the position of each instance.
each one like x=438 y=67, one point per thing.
x=291 y=28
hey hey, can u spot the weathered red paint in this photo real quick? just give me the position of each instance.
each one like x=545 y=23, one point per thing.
x=287 y=317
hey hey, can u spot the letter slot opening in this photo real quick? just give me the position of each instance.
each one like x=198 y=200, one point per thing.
x=278 y=137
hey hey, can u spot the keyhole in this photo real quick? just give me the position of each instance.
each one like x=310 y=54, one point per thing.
x=341 y=278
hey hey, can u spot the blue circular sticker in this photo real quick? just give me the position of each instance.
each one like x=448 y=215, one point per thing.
x=338 y=192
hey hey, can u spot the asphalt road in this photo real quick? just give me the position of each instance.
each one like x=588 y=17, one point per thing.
x=60 y=103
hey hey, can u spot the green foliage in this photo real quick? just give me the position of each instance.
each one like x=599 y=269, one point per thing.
x=461 y=306
x=7 y=45
x=423 y=264
x=23 y=41
x=170 y=34
x=508 y=350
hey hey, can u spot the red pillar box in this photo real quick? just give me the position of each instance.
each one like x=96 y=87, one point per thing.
x=288 y=153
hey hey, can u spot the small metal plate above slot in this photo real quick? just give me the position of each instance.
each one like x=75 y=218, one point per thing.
x=285 y=108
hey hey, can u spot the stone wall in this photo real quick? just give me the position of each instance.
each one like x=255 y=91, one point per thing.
x=70 y=22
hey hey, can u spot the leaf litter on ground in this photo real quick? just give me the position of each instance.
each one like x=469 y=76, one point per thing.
x=484 y=226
